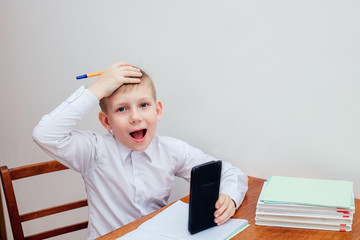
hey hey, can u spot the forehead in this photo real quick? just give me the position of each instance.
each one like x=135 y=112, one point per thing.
x=130 y=93
x=146 y=82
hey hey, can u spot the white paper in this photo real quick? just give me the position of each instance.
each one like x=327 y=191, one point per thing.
x=303 y=225
x=143 y=235
x=172 y=224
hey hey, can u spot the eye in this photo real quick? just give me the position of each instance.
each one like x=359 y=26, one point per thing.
x=121 y=109
x=144 y=105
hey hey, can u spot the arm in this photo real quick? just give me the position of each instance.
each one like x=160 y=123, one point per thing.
x=55 y=133
x=56 y=136
x=233 y=186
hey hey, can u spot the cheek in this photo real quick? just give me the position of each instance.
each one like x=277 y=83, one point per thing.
x=120 y=128
x=117 y=120
x=153 y=124
x=118 y=125
x=120 y=134
x=155 y=118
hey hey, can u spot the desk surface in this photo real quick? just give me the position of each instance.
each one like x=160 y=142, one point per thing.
x=247 y=211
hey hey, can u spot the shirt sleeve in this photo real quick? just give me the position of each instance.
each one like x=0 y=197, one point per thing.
x=234 y=182
x=55 y=133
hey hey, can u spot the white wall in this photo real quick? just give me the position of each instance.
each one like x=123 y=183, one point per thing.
x=271 y=86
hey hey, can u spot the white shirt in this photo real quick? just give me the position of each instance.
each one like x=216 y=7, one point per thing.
x=122 y=185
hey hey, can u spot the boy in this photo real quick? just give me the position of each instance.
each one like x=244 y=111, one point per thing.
x=130 y=171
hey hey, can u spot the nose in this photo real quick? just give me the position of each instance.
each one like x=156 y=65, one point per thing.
x=135 y=117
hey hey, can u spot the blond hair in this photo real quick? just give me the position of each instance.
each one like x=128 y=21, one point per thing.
x=145 y=79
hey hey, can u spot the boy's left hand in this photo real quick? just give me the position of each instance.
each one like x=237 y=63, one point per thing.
x=225 y=209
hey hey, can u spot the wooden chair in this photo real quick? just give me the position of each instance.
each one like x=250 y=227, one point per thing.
x=9 y=175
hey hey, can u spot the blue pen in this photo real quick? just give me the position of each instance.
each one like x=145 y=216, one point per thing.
x=89 y=75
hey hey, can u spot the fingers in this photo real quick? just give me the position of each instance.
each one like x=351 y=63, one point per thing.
x=123 y=73
x=225 y=209
x=130 y=71
x=133 y=72
x=220 y=202
x=130 y=76
x=125 y=70
x=131 y=80
x=221 y=206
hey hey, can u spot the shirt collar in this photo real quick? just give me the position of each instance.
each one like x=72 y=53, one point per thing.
x=125 y=152
x=149 y=151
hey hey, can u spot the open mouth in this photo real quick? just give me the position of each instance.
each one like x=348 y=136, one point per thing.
x=138 y=135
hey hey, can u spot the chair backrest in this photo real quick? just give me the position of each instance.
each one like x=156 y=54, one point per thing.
x=9 y=175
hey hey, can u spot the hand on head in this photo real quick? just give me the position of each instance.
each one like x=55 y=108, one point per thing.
x=113 y=77
x=225 y=209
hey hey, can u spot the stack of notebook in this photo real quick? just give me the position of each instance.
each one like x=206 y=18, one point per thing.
x=306 y=203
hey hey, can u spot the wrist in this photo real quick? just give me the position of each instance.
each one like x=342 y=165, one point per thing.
x=96 y=90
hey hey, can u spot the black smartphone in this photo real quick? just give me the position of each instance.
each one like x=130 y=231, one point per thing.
x=204 y=192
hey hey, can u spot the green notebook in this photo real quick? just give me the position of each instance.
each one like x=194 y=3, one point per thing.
x=307 y=191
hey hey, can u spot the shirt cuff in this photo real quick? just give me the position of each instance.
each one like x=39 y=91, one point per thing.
x=83 y=100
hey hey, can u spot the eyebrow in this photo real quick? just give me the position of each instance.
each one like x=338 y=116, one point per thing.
x=144 y=99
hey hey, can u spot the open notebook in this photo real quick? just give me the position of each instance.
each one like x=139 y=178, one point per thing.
x=172 y=224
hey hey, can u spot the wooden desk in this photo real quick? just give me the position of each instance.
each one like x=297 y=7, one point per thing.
x=247 y=211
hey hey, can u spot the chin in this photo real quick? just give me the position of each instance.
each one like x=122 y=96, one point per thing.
x=139 y=148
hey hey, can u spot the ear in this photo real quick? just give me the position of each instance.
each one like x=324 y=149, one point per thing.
x=159 y=109
x=104 y=120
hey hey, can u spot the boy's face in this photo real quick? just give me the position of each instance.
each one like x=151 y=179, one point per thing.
x=133 y=117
